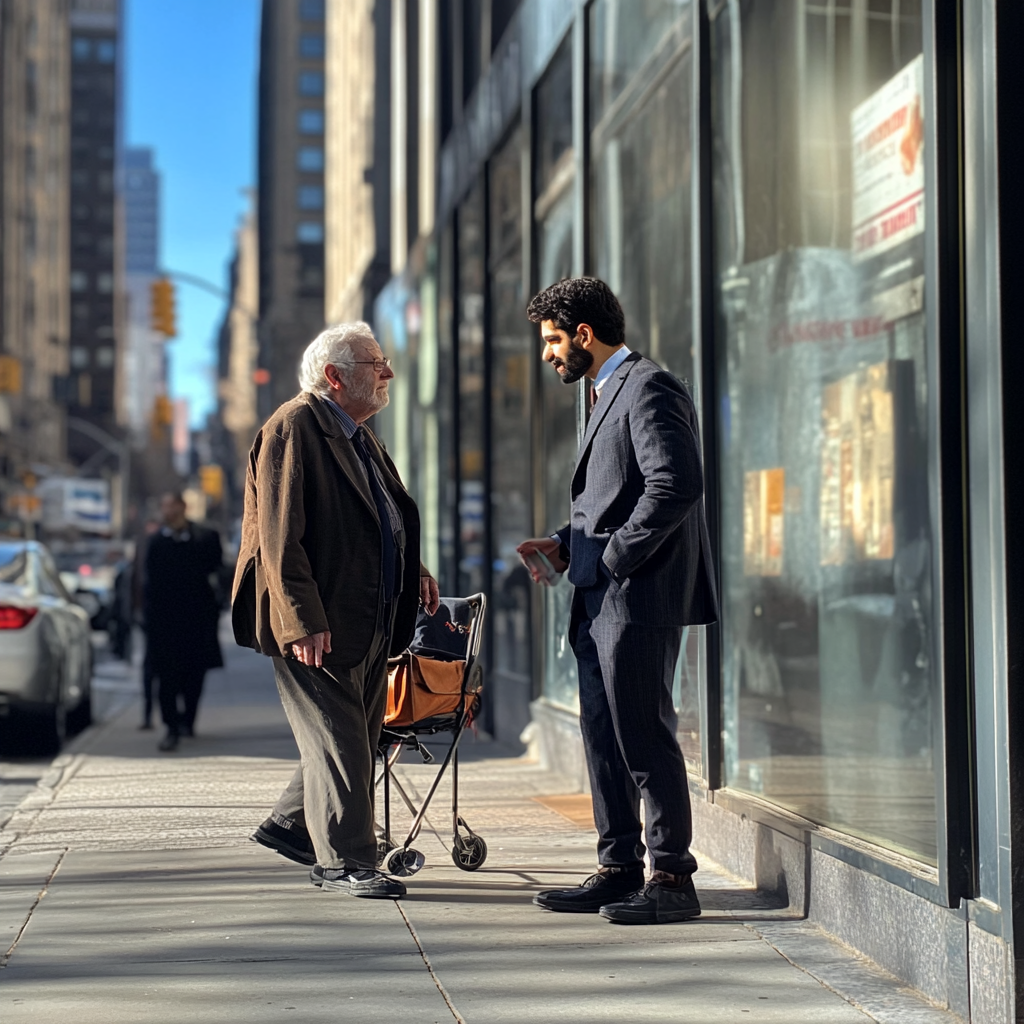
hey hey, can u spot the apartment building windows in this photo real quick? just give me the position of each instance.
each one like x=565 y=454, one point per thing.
x=311 y=83
x=311 y=46
x=311 y=122
x=311 y=197
x=310 y=158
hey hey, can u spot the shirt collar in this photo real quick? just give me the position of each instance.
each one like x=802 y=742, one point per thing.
x=348 y=425
x=613 y=362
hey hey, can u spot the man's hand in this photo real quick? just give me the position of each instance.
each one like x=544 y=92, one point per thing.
x=548 y=547
x=310 y=650
x=430 y=595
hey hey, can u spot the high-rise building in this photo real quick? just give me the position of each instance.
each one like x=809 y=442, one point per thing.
x=358 y=131
x=238 y=355
x=96 y=223
x=144 y=361
x=290 y=217
x=34 y=121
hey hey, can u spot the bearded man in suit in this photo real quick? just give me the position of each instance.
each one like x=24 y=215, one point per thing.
x=637 y=552
x=328 y=584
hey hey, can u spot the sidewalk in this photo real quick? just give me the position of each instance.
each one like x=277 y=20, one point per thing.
x=129 y=893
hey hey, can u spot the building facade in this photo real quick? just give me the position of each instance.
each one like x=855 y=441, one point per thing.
x=290 y=215
x=807 y=212
x=238 y=360
x=357 y=254
x=97 y=228
x=34 y=244
x=145 y=361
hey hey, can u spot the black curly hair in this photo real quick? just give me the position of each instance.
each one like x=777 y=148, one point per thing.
x=581 y=300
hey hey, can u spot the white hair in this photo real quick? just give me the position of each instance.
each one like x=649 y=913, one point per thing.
x=332 y=346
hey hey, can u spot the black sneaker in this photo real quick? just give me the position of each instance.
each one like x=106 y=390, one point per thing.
x=368 y=884
x=607 y=886
x=655 y=903
x=294 y=845
x=168 y=743
x=316 y=875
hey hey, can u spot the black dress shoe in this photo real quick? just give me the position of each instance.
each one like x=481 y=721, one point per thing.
x=590 y=896
x=655 y=903
x=367 y=884
x=294 y=845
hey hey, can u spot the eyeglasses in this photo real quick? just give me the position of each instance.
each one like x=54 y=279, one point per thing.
x=378 y=365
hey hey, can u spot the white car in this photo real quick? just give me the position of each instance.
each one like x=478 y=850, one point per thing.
x=45 y=653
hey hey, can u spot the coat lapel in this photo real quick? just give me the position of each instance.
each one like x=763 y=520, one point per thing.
x=609 y=393
x=344 y=452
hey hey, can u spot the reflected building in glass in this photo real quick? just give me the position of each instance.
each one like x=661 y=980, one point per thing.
x=799 y=208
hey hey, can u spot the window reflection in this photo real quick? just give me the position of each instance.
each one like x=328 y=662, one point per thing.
x=512 y=352
x=553 y=216
x=828 y=615
x=472 y=497
x=640 y=200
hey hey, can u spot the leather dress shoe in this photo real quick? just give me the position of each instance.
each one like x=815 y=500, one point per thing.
x=168 y=744
x=365 y=883
x=658 y=902
x=295 y=846
x=593 y=893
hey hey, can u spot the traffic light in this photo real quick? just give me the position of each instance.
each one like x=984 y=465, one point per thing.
x=10 y=375
x=211 y=480
x=161 y=310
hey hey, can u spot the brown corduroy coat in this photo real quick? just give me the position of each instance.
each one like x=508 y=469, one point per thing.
x=310 y=552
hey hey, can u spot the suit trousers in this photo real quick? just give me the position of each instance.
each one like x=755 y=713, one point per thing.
x=336 y=717
x=628 y=723
x=177 y=682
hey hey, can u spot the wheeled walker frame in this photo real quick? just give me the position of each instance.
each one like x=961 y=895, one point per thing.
x=469 y=850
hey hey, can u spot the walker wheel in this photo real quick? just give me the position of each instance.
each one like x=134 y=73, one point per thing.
x=402 y=862
x=469 y=853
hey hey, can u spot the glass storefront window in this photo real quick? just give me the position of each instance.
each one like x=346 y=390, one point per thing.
x=827 y=535
x=444 y=403
x=553 y=217
x=472 y=436
x=640 y=195
x=512 y=353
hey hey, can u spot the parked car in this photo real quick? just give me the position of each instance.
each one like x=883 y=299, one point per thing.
x=88 y=571
x=45 y=653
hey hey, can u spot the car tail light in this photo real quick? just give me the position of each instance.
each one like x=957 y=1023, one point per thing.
x=12 y=617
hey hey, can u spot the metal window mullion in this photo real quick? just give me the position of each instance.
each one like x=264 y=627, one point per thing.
x=953 y=710
x=702 y=271
x=580 y=133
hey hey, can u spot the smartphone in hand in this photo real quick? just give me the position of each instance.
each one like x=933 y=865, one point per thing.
x=545 y=572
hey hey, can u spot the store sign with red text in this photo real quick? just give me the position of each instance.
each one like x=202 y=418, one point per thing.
x=888 y=164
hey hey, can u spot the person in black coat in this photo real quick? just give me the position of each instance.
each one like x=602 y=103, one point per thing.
x=181 y=615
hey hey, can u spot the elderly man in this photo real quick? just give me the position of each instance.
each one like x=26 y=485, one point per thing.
x=328 y=584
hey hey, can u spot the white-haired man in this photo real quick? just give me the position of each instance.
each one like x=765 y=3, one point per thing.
x=328 y=584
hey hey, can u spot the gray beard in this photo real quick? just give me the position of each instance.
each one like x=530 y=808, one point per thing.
x=367 y=394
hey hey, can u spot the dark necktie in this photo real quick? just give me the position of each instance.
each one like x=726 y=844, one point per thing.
x=388 y=566
x=594 y=395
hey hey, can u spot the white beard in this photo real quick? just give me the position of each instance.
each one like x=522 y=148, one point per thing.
x=366 y=393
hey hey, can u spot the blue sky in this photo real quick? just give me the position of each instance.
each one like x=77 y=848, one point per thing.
x=190 y=93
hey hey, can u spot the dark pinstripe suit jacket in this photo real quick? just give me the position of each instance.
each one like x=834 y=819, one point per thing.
x=637 y=502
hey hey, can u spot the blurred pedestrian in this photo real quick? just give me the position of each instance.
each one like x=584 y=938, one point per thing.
x=637 y=552
x=181 y=615
x=328 y=584
x=138 y=578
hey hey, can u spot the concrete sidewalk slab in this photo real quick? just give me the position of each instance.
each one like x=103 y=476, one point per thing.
x=216 y=935
x=129 y=892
